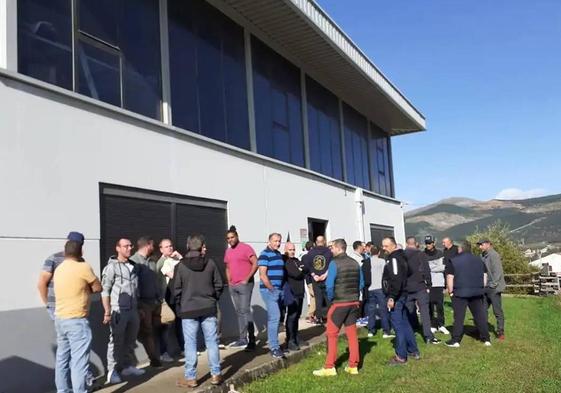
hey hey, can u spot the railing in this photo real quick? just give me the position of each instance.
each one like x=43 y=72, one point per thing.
x=533 y=284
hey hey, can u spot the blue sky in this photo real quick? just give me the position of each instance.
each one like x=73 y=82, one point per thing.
x=487 y=76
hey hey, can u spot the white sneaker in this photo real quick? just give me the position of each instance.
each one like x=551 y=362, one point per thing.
x=487 y=343
x=370 y=334
x=388 y=335
x=443 y=330
x=433 y=330
x=166 y=358
x=132 y=371
x=113 y=377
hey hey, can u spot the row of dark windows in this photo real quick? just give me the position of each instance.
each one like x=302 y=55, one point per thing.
x=110 y=51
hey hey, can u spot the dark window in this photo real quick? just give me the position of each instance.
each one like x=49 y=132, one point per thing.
x=324 y=130
x=114 y=28
x=380 y=161
x=207 y=72
x=117 y=49
x=356 y=147
x=100 y=18
x=379 y=232
x=278 y=116
x=45 y=41
x=99 y=72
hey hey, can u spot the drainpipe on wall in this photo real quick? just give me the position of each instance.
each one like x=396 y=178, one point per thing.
x=359 y=202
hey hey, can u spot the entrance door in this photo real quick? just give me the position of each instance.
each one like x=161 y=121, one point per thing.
x=316 y=227
x=131 y=213
x=379 y=232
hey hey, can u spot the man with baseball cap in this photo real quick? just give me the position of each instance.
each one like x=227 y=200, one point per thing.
x=436 y=294
x=45 y=284
x=495 y=283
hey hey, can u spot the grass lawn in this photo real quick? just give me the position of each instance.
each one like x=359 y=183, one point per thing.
x=529 y=360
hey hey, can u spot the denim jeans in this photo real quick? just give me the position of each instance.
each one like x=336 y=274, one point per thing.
x=122 y=339
x=190 y=332
x=405 y=338
x=273 y=302
x=74 y=338
x=377 y=305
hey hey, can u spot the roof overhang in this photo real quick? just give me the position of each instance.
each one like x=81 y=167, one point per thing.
x=303 y=30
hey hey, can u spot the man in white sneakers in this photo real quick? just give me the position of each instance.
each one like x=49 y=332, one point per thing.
x=119 y=297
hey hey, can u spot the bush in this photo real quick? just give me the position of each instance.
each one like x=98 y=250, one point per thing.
x=512 y=257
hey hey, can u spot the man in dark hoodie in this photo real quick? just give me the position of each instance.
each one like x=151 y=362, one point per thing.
x=418 y=284
x=197 y=288
x=394 y=282
x=317 y=262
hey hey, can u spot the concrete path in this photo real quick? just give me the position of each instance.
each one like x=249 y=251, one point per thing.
x=237 y=367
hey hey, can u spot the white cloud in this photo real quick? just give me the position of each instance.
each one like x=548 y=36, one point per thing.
x=517 y=193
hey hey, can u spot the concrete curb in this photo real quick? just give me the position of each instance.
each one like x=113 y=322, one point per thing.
x=249 y=375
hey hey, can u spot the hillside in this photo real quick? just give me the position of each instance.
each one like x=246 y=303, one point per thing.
x=532 y=221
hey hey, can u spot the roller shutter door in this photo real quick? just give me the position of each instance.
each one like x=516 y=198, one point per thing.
x=132 y=213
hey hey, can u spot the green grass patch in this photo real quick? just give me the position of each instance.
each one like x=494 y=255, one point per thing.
x=529 y=360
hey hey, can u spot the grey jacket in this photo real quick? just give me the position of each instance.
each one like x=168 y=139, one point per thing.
x=149 y=284
x=120 y=284
x=495 y=275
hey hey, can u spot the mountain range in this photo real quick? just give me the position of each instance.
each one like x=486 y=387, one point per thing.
x=532 y=221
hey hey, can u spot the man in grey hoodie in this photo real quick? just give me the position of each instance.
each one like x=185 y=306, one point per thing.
x=436 y=295
x=495 y=284
x=150 y=296
x=119 y=297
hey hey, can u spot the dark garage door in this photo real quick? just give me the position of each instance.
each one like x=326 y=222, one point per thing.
x=132 y=213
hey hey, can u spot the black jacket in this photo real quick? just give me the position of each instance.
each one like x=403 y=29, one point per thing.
x=317 y=260
x=295 y=273
x=198 y=285
x=419 y=278
x=366 y=273
x=449 y=253
x=395 y=275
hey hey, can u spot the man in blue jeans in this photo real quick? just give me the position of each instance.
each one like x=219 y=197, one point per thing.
x=376 y=303
x=394 y=282
x=74 y=282
x=197 y=288
x=271 y=274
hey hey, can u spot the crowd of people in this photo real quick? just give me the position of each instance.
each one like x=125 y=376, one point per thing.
x=145 y=298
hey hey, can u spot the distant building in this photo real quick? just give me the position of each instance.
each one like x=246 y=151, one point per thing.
x=553 y=261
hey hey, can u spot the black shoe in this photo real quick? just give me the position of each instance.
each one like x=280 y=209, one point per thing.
x=250 y=347
x=452 y=344
x=155 y=364
x=293 y=347
x=433 y=340
x=277 y=353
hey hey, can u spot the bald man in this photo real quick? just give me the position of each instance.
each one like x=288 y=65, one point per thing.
x=317 y=262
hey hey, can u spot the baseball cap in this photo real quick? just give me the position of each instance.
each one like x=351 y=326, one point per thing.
x=76 y=236
x=483 y=241
x=429 y=239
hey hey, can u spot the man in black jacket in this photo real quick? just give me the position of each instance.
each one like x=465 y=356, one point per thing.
x=295 y=275
x=394 y=282
x=466 y=278
x=316 y=262
x=450 y=250
x=197 y=288
x=418 y=284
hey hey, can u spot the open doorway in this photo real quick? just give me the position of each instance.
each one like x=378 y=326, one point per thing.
x=316 y=227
